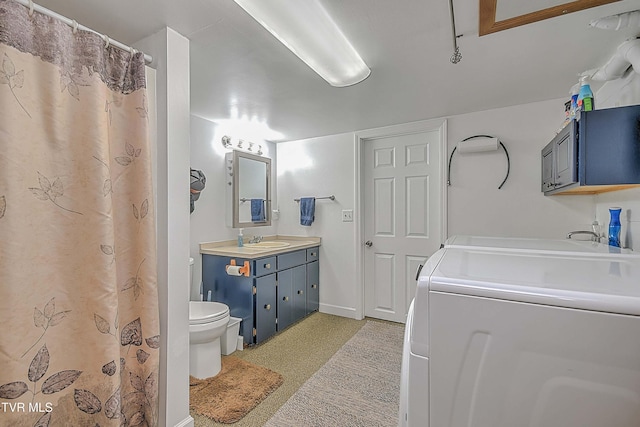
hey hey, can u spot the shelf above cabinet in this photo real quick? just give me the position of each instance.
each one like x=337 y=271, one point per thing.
x=577 y=190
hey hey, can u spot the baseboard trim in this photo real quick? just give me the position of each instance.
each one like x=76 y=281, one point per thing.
x=337 y=310
x=187 y=422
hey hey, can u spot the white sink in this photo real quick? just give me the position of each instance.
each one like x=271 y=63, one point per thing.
x=268 y=244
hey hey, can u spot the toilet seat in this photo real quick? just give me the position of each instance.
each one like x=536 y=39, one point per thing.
x=201 y=312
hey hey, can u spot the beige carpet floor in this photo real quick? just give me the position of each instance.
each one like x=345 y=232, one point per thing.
x=358 y=387
x=296 y=353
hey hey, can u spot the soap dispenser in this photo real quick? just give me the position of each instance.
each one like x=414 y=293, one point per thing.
x=614 y=227
x=240 y=239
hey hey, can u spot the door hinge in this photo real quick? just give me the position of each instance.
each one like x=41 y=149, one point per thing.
x=255 y=332
x=255 y=290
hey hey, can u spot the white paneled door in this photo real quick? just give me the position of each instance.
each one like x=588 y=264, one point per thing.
x=403 y=222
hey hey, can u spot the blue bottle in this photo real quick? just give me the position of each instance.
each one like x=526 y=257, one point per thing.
x=614 y=227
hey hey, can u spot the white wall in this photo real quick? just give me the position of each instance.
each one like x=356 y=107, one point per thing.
x=477 y=207
x=170 y=51
x=618 y=93
x=326 y=165
x=207 y=222
x=320 y=167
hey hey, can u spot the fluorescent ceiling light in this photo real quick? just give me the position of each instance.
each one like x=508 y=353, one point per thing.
x=309 y=32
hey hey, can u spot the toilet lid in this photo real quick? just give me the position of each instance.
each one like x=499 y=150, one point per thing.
x=206 y=311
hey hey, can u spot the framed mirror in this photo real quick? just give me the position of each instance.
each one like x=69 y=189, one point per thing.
x=250 y=183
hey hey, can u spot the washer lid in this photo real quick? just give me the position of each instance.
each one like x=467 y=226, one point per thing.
x=609 y=284
x=206 y=311
x=522 y=244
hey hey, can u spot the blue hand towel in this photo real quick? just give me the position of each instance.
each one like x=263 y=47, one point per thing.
x=307 y=210
x=257 y=210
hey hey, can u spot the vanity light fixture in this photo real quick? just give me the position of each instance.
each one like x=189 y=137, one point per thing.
x=307 y=30
x=250 y=147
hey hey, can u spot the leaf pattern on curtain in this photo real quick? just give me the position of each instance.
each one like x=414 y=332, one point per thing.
x=107 y=187
x=13 y=79
x=50 y=191
x=45 y=319
x=80 y=342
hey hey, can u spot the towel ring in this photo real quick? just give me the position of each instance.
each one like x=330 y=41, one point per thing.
x=481 y=136
x=74 y=25
x=30 y=7
x=107 y=40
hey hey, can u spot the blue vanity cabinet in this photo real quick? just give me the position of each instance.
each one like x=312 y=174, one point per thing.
x=265 y=309
x=291 y=301
x=280 y=290
x=252 y=299
x=313 y=279
x=285 y=299
x=299 y=292
x=313 y=288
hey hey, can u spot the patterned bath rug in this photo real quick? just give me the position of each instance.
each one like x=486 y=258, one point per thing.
x=234 y=392
x=358 y=387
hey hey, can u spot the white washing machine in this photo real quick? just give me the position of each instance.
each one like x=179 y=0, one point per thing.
x=512 y=338
x=522 y=244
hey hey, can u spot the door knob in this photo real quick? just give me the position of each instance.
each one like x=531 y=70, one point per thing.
x=267 y=307
x=368 y=243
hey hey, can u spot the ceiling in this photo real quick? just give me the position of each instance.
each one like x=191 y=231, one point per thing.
x=238 y=68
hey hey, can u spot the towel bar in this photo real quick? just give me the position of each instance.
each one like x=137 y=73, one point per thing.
x=246 y=200
x=327 y=197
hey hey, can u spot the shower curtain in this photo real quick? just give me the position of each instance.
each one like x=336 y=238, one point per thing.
x=79 y=327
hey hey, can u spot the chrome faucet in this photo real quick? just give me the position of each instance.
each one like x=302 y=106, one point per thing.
x=594 y=236
x=256 y=239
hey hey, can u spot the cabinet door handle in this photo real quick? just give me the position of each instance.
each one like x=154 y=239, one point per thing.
x=285 y=298
x=314 y=286
x=267 y=307
x=300 y=292
x=267 y=266
x=314 y=254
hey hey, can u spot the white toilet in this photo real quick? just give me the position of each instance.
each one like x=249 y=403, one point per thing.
x=207 y=323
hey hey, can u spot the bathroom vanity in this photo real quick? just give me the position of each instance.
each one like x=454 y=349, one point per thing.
x=277 y=286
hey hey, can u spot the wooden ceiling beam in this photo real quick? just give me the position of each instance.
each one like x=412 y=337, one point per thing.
x=488 y=8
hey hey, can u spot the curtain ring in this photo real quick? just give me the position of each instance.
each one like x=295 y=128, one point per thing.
x=74 y=25
x=30 y=7
x=132 y=50
x=107 y=41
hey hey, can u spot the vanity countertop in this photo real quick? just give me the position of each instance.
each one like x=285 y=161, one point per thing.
x=270 y=245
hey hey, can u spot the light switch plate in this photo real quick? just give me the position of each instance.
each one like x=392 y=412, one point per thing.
x=347 y=215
